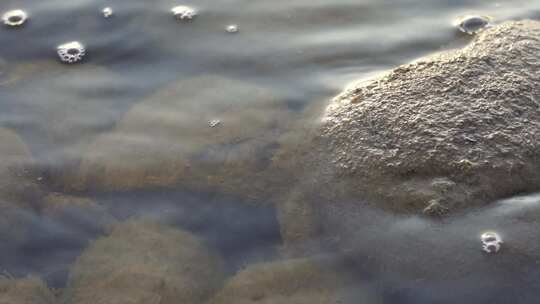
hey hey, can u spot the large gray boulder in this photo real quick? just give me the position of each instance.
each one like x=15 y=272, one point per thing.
x=449 y=131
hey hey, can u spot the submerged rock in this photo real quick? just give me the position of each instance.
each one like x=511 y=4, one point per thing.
x=29 y=290
x=461 y=127
x=144 y=262
x=299 y=281
x=81 y=212
x=18 y=179
x=19 y=189
x=166 y=140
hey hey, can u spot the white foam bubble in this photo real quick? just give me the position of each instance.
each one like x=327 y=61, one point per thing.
x=15 y=18
x=71 y=52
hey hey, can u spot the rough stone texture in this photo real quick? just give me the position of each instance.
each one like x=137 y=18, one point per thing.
x=18 y=181
x=461 y=127
x=18 y=188
x=298 y=281
x=167 y=139
x=30 y=290
x=81 y=212
x=143 y=262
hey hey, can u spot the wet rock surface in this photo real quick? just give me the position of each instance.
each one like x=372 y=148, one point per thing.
x=144 y=262
x=29 y=290
x=306 y=280
x=461 y=127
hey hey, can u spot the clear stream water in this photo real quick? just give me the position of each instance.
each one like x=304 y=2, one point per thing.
x=302 y=51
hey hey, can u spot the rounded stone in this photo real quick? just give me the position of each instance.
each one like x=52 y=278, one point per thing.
x=68 y=209
x=18 y=177
x=30 y=290
x=165 y=140
x=468 y=117
x=301 y=281
x=143 y=262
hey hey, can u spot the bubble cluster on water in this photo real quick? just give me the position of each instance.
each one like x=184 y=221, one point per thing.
x=183 y=12
x=491 y=242
x=71 y=52
x=472 y=24
x=15 y=18
x=233 y=28
x=107 y=12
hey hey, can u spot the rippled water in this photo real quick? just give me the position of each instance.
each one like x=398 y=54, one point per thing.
x=291 y=55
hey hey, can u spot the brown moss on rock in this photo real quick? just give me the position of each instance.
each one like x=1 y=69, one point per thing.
x=31 y=290
x=201 y=132
x=144 y=262
x=299 y=281
x=18 y=181
x=69 y=209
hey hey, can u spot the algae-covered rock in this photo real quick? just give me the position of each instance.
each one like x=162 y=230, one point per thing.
x=203 y=131
x=144 y=262
x=18 y=179
x=19 y=188
x=31 y=290
x=82 y=212
x=299 y=281
x=459 y=128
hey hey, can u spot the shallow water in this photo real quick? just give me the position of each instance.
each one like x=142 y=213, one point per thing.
x=296 y=53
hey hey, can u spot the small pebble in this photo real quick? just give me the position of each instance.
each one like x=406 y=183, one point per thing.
x=183 y=12
x=71 y=52
x=233 y=28
x=107 y=12
x=15 y=18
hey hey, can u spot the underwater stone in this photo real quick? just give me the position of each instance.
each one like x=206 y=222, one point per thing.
x=15 y=18
x=71 y=52
x=30 y=290
x=143 y=262
x=165 y=140
x=18 y=179
x=67 y=209
x=300 y=281
x=19 y=189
